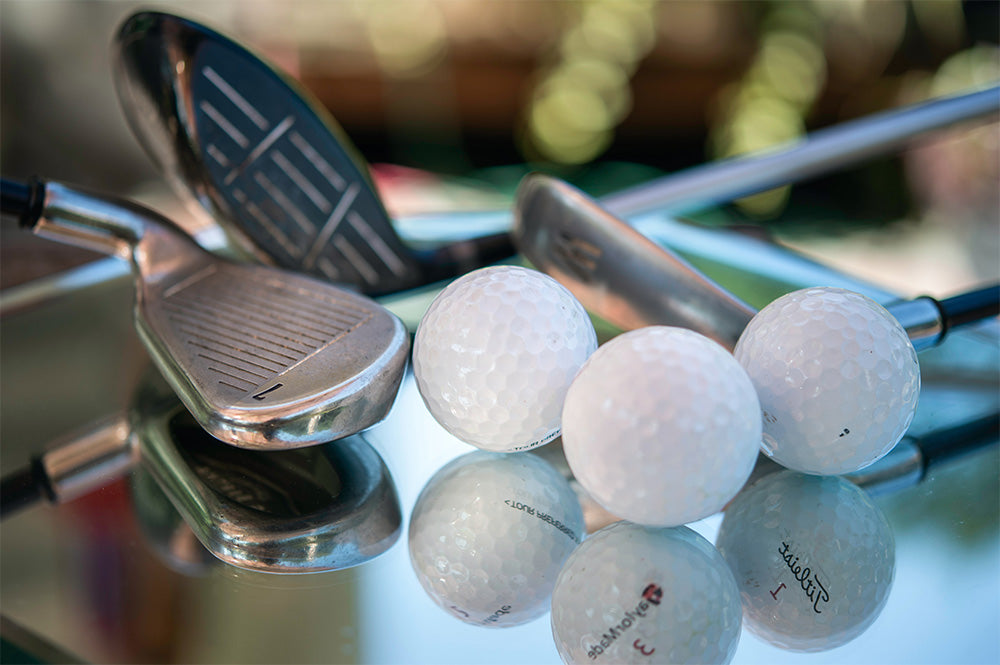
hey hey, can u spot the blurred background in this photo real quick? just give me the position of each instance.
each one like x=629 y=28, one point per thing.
x=452 y=101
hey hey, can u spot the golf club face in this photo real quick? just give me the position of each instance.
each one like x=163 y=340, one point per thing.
x=251 y=147
x=308 y=510
x=613 y=269
x=262 y=357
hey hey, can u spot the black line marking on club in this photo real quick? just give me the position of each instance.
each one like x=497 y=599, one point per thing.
x=263 y=395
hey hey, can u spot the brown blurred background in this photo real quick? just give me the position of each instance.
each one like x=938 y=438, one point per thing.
x=603 y=92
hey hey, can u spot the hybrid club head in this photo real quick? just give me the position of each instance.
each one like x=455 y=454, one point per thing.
x=256 y=150
x=262 y=358
x=313 y=509
x=630 y=281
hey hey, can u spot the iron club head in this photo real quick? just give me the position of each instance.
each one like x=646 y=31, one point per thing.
x=262 y=357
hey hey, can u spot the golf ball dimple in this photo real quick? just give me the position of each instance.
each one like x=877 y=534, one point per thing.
x=661 y=426
x=813 y=556
x=635 y=594
x=489 y=534
x=495 y=353
x=837 y=377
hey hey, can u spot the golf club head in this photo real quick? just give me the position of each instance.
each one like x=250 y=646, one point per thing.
x=614 y=270
x=257 y=151
x=262 y=357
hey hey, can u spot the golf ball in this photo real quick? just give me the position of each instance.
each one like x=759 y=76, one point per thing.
x=489 y=534
x=661 y=426
x=813 y=556
x=494 y=355
x=837 y=378
x=635 y=594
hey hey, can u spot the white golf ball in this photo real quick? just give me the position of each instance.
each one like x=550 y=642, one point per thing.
x=489 y=534
x=635 y=594
x=837 y=378
x=494 y=355
x=813 y=556
x=661 y=426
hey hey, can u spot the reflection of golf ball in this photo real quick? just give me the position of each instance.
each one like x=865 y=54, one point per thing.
x=813 y=556
x=635 y=594
x=489 y=534
x=661 y=426
x=837 y=379
x=494 y=355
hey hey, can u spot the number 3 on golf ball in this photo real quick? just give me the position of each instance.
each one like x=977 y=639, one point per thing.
x=495 y=353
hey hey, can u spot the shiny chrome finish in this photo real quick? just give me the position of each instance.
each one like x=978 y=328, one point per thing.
x=263 y=358
x=820 y=152
x=305 y=510
x=615 y=271
x=76 y=466
x=630 y=281
x=253 y=148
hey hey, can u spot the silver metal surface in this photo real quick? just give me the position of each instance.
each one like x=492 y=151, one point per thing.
x=256 y=150
x=614 y=270
x=314 y=509
x=75 y=466
x=820 y=152
x=630 y=281
x=263 y=358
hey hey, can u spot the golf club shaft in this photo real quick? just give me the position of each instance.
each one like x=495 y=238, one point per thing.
x=820 y=152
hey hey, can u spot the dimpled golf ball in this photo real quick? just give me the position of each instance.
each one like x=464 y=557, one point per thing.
x=494 y=355
x=635 y=594
x=661 y=426
x=813 y=556
x=837 y=378
x=489 y=534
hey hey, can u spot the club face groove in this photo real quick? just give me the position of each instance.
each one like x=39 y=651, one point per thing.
x=250 y=146
x=269 y=359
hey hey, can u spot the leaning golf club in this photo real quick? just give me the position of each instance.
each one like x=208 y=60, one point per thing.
x=254 y=149
x=630 y=281
x=262 y=357
x=312 y=509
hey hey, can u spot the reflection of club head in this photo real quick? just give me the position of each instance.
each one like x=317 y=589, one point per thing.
x=814 y=558
x=302 y=510
x=165 y=531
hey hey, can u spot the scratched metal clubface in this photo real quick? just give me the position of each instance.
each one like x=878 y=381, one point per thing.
x=286 y=178
x=636 y=594
x=489 y=534
x=814 y=559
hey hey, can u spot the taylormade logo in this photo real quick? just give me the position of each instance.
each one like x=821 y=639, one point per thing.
x=650 y=597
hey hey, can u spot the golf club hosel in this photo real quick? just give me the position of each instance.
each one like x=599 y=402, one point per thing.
x=114 y=227
x=921 y=319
